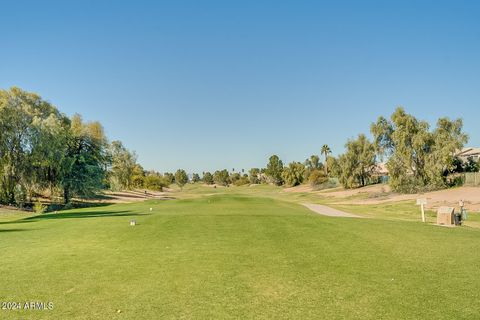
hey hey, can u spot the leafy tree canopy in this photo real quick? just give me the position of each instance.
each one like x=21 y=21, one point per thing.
x=181 y=178
x=274 y=170
x=418 y=158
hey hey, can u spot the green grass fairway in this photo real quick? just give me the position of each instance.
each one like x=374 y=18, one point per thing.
x=228 y=256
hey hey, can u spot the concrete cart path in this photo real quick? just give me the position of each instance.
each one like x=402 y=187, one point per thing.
x=327 y=211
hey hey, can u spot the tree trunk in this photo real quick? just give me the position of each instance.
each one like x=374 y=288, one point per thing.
x=326 y=165
x=66 y=195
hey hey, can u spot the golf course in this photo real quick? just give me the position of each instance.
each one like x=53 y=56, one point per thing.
x=236 y=253
x=240 y=160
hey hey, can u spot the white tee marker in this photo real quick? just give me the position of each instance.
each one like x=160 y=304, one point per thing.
x=422 y=202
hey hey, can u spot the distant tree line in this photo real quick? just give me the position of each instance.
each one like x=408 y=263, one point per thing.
x=417 y=159
x=44 y=153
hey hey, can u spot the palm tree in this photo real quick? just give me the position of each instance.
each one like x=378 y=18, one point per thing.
x=326 y=151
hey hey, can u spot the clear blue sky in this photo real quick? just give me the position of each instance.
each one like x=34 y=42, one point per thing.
x=224 y=84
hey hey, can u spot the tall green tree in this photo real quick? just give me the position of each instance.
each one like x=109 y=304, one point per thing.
x=48 y=155
x=195 y=178
x=86 y=159
x=326 y=151
x=254 y=175
x=221 y=177
x=27 y=124
x=274 y=170
x=234 y=177
x=181 y=178
x=208 y=178
x=334 y=167
x=138 y=176
x=357 y=163
x=448 y=138
x=169 y=178
x=312 y=164
x=293 y=174
x=417 y=157
x=123 y=163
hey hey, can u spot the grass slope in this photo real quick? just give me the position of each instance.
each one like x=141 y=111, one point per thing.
x=229 y=256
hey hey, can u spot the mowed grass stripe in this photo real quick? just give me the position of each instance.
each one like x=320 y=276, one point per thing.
x=236 y=256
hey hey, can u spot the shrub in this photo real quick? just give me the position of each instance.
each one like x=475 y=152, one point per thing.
x=317 y=177
x=293 y=174
x=207 y=178
x=195 y=178
x=20 y=195
x=154 y=182
x=181 y=178
x=39 y=208
x=254 y=175
x=234 y=177
x=69 y=206
x=243 y=180
x=222 y=178
x=54 y=207
x=331 y=183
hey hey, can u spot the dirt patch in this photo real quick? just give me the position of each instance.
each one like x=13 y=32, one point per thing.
x=299 y=189
x=339 y=192
x=369 y=191
x=132 y=196
x=381 y=194
x=9 y=210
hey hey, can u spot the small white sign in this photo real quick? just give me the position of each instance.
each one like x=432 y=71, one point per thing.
x=421 y=201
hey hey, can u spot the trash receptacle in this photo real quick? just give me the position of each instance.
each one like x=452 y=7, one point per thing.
x=458 y=219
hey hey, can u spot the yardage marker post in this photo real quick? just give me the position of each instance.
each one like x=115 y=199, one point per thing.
x=422 y=202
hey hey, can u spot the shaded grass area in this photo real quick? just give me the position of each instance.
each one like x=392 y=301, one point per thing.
x=230 y=256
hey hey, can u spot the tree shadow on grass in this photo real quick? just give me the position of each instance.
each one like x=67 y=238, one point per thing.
x=12 y=230
x=76 y=215
x=84 y=214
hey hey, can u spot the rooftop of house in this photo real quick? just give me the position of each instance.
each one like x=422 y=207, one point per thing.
x=468 y=152
x=380 y=169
